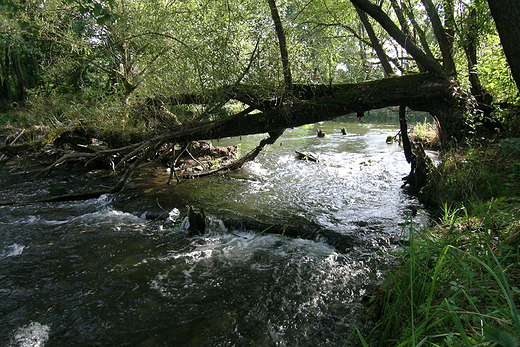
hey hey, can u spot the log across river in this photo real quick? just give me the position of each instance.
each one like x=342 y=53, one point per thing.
x=96 y=272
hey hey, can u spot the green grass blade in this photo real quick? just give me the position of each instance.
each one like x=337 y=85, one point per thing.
x=457 y=322
x=263 y=231
x=436 y=273
x=502 y=283
x=363 y=342
x=508 y=294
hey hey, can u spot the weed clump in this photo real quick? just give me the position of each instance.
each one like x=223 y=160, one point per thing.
x=476 y=173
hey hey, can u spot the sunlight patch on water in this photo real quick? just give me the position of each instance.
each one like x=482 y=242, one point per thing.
x=31 y=335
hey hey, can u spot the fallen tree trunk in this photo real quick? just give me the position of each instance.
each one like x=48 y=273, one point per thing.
x=312 y=104
x=341 y=242
x=306 y=105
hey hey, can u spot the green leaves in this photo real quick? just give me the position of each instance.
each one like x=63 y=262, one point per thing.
x=500 y=337
x=510 y=143
x=97 y=10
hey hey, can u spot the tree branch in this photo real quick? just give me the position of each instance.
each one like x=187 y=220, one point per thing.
x=386 y=22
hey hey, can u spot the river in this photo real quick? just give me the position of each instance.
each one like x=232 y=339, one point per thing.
x=96 y=273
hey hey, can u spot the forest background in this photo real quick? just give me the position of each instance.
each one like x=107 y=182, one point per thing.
x=157 y=68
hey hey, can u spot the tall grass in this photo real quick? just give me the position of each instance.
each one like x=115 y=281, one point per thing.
x=58 y=110
x=478 y=173
x=454 y=286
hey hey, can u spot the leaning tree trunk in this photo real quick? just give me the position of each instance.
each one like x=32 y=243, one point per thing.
x=383 y=58
x=282 y=44
x=506 y=14
x=397 y=34
x=399 y=12
x=417 y=28
x=450 y=111
x=444 y=41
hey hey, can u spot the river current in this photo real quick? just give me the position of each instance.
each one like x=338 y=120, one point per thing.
x=97 y=273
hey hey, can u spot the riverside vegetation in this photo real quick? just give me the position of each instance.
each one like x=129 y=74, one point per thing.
x=148 y=77
x=457 y=282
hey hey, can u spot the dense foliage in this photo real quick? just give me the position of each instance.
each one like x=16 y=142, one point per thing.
x=69 y=60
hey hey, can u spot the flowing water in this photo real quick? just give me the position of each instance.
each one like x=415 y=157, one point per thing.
x=95 y=273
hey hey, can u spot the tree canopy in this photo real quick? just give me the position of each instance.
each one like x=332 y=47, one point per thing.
x=145 y=48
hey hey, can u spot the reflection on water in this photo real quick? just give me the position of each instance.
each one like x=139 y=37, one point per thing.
x=95 y=273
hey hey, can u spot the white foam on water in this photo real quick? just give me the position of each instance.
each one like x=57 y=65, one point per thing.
x=302 y=260
x=104 y=199
x=256 y=168
x=31 y=335
x=174 y=214
x=12 y=250
x=107 y=216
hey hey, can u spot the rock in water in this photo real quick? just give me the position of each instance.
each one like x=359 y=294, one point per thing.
x=197 y=221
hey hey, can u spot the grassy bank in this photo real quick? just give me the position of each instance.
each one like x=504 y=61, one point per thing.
x=457 y=282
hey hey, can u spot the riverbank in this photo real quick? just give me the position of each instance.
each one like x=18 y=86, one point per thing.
x=457 y=282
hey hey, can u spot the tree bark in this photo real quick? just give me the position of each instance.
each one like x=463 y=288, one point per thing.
x=506 y=14
x=321 y=102
x=470 y=48
x=398 y=9
x=282 y=44
x=19 y=75
x=4 y=63
x=418 y=30
x=449 y=21
x=403 y=126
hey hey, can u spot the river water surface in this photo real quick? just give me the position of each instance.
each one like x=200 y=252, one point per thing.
x=95 y=273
